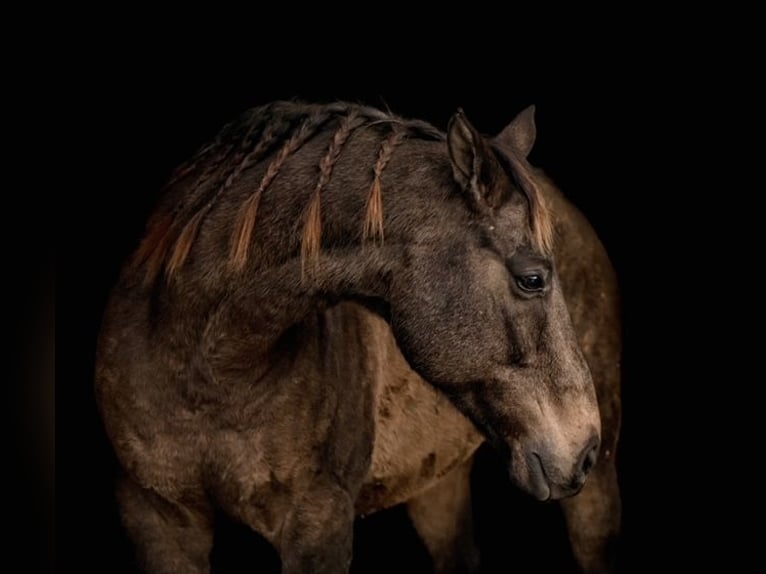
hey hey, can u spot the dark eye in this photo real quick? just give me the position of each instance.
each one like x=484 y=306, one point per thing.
x=530 y=282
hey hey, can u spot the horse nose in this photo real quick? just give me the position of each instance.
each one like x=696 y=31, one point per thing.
x=587 y=459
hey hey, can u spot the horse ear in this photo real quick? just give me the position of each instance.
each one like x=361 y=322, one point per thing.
x=472 y=162
x=520 y=134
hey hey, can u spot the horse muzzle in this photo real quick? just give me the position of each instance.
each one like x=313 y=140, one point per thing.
x=546 y=476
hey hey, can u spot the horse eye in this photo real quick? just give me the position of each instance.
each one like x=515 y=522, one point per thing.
x=530 y=282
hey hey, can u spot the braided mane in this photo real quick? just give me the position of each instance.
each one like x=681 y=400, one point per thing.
x=256 y=135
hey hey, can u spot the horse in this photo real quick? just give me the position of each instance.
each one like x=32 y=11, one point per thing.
x=294 y=373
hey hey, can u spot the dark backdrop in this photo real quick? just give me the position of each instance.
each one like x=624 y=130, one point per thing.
x=141 y=116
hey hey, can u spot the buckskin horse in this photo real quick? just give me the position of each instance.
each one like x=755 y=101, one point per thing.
x=331 y=309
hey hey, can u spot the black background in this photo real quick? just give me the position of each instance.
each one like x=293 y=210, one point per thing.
x=141 y=115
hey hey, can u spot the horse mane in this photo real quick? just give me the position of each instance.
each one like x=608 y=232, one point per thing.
x=254 y=136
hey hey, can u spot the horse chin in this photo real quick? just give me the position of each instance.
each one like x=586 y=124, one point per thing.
x=539 y=485
x=530 y=477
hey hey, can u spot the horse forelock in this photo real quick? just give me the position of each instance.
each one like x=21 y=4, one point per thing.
x=540 y=216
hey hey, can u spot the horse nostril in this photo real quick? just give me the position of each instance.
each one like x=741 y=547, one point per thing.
x=588 y=456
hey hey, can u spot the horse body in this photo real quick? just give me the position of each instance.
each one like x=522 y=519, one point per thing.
x=277 y=388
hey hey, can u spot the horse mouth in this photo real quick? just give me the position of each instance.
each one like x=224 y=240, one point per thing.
x=538 y=486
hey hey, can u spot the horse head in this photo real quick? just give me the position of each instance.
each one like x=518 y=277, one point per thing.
x=479 y=312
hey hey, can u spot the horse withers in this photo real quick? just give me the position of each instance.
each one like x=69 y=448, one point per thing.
x=245 y=359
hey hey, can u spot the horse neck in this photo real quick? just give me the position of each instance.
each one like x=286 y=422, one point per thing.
x=271 y=296
x=255 y=315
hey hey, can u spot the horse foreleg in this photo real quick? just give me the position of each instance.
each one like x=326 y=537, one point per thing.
x=169 y=537
x=318 y=532
x=593 y=520
x=442 y=516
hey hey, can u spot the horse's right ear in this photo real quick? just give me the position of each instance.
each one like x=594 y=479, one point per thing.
x=472 y=162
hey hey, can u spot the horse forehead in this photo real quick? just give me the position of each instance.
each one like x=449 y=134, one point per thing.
x=515 y=211
x=508 y=230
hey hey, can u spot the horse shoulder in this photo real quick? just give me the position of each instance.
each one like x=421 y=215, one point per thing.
x=419 y=434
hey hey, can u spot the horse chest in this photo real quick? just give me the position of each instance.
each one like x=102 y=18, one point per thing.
x=419 y=437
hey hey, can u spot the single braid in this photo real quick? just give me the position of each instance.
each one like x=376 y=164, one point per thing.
x=373 y=221
x=312 y=230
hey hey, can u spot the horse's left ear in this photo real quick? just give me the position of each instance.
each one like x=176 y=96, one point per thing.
x=474 y=164
x=520 y=134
